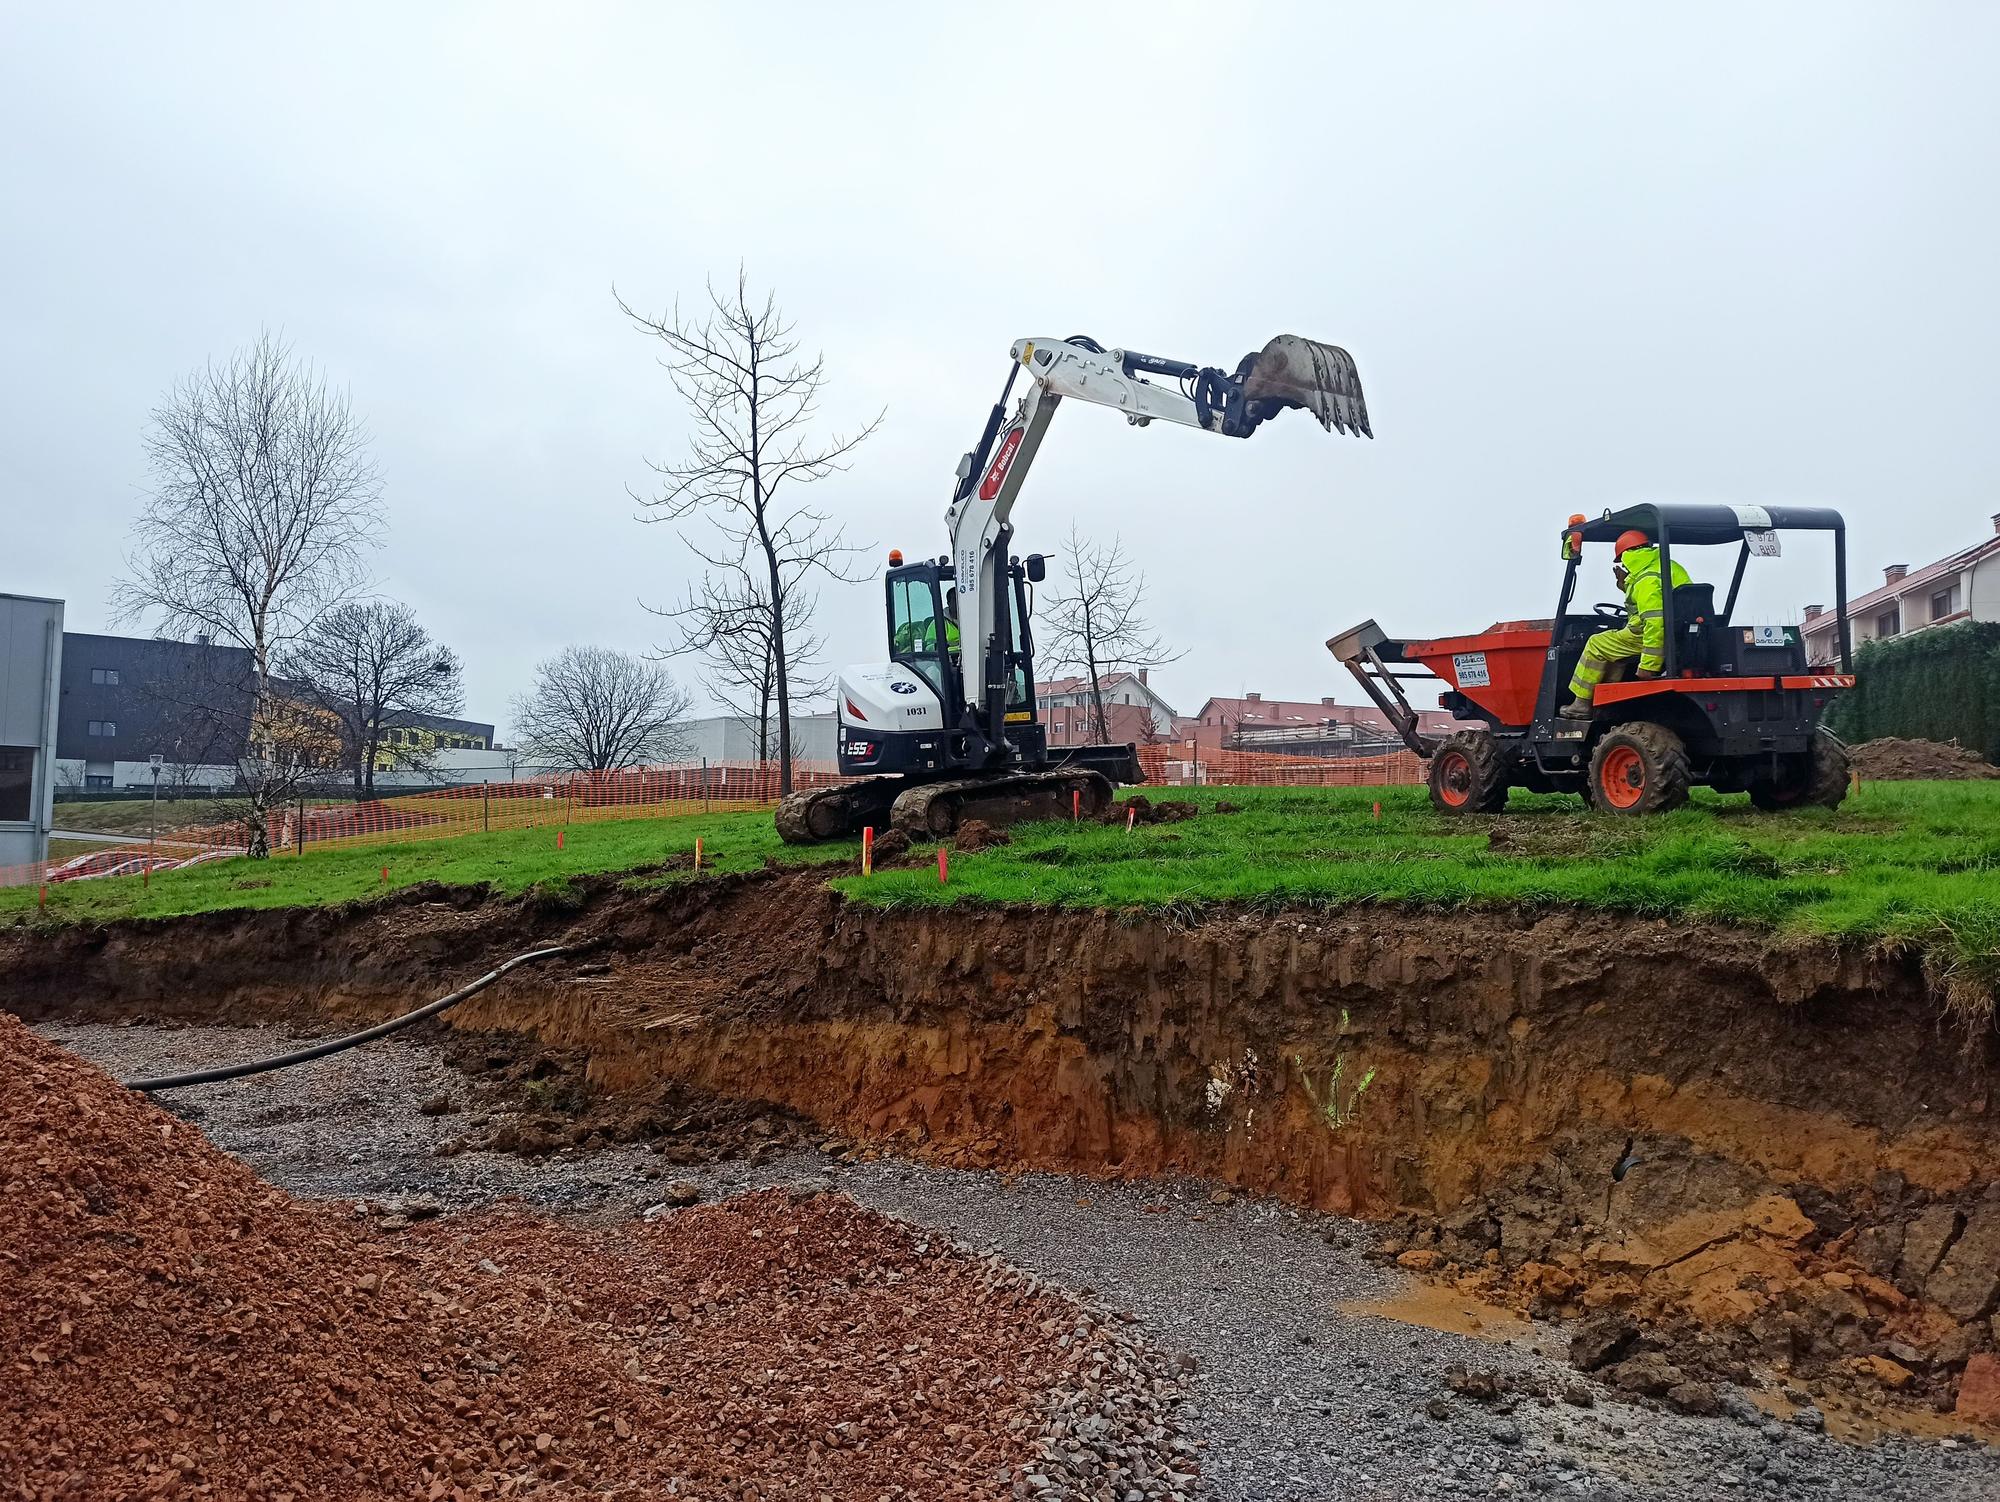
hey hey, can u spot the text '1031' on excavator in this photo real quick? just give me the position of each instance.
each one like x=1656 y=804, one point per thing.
x=947 y=729
x=1716 y=702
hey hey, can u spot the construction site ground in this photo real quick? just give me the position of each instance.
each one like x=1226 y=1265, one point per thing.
x=1697 y=1118
x=1306 y=1368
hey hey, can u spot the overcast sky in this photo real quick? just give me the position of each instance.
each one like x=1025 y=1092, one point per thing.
x=1582 y=254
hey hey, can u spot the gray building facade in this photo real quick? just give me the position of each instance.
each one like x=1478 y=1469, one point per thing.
x=31 y=644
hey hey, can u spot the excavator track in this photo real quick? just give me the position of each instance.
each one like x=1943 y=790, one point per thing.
x=932 y=810
x=831 y=813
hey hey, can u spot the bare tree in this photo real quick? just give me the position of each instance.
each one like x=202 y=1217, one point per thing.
x=265 y=498
x=373 y=668
x=754 y=402
x=1096 y=625
x=727 y=620
x=593 y=709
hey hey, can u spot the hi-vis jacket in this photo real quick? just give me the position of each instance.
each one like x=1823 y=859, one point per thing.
x=1645 y=605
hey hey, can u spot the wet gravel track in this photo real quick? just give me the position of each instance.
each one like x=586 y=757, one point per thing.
x=1292 y=1396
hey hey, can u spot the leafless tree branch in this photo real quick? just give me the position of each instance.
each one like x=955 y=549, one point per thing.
x=593 y=709
x=1096 y=625
x=265 y=499
x=371 y=667
x=753 y=447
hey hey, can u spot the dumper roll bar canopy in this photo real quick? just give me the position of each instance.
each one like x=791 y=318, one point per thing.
x=1710 y=524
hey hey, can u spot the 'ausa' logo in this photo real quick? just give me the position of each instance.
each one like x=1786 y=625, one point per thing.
x=900 y=687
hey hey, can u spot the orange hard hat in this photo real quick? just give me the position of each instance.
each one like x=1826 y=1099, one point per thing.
x=1627 y=540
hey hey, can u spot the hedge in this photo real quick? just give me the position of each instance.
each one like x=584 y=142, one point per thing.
x=1941 y=684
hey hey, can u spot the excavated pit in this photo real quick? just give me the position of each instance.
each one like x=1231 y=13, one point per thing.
x=1815 y=1145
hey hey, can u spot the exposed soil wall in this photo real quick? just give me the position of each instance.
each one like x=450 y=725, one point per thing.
x=1796 y=1111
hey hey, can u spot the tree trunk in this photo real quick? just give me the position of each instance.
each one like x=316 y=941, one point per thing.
x=1100 y=731
x=263 y=748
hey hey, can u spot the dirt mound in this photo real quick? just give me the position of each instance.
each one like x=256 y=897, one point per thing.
x=535 y=1101
x=175 y=1326
x=977 y=834
x=1894 y=760
x=1142 y=810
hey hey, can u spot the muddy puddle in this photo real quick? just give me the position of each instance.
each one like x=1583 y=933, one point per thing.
x=1772 y=1157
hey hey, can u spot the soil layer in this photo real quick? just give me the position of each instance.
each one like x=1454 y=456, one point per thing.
x=1760 y=1153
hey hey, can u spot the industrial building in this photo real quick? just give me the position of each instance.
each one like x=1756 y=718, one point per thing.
x=31 y=645
x=126 y=699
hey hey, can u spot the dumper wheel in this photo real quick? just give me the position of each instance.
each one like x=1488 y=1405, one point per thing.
x=1640 y=768
x=1469 y=774
x=1820 y=778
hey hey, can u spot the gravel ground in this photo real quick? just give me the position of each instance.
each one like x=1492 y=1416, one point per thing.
x=1292 y=1397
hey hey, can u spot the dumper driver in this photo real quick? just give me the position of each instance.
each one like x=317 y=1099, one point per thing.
x=1636 y=567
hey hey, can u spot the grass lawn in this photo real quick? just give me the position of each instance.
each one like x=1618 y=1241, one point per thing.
x=509 y=860
x=1914 y=864
x=135 y=815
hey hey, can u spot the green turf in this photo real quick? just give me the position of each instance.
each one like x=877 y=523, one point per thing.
x=509 y=860
x=135 y=815
x=1909 y=864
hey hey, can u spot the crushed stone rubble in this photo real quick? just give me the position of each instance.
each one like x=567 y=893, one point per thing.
x=173 y=1326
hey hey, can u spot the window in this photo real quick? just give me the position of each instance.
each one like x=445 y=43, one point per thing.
x=1889 y=622
x=103 y=727
x=1944 y=603
x=97 y=780
x=104 y=676
x=914 y=628
x=17 y=781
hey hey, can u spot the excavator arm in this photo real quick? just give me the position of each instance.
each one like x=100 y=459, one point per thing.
x=1288 y=372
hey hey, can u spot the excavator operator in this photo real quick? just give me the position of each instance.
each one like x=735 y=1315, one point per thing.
x=1636 y=567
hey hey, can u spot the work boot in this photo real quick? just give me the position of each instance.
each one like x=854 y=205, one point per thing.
x=1576 y=709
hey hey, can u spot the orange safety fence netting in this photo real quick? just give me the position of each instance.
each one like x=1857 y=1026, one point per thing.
x=639 y=793
x=1182 y=766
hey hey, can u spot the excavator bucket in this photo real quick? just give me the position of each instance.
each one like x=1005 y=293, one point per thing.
x=1294 y=372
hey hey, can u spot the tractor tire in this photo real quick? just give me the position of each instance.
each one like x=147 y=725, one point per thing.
x=1469 y=774
x=1639 y=768
x=1821 y=783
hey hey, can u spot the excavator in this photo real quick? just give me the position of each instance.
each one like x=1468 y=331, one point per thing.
x=947 y=730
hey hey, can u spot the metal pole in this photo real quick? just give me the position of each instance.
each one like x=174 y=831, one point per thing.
x=153 y=834
x=486 y=806
x=302 y=824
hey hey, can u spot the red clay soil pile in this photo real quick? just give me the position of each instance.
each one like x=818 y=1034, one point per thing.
x=1895 y=760
x=172 y=1326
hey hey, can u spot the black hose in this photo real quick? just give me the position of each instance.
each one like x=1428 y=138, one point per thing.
x=335 y=1045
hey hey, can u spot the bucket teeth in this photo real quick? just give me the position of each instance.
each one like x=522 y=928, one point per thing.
x=1292 y=371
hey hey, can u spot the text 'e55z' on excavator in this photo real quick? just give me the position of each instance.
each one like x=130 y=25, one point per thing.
x=947 y=728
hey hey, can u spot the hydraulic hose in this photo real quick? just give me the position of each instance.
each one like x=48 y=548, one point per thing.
x=336 y=1045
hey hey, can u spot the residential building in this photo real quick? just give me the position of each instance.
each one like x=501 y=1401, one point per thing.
x=1300 y=727
x=1963 y=587
x=31 y=644
x=1133 y=710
